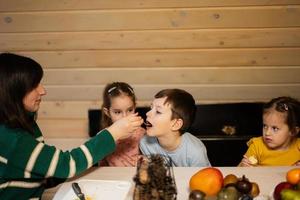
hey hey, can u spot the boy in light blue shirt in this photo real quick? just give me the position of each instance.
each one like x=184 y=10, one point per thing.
x=172 y=112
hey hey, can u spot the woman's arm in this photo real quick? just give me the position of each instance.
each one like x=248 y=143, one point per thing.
x=33 y=159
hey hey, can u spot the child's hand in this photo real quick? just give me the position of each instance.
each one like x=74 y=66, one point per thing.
x=124 y=127
x=248 y=162
x=297 y=163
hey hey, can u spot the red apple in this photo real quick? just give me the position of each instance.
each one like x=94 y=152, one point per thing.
x=279 y=187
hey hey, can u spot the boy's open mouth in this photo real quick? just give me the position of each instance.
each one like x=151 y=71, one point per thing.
x=148 y=124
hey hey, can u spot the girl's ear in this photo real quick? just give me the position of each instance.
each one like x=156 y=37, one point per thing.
x=105 y=110
x=295 y=131
x=177 y=124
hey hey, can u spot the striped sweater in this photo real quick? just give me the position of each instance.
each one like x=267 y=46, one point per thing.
x=28 y=166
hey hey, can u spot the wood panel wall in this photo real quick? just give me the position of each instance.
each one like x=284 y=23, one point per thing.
x=219 y=50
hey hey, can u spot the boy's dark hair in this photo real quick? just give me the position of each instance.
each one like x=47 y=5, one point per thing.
x=182 y=105
x=111 y=91
x=19 y=75
x=287 y=105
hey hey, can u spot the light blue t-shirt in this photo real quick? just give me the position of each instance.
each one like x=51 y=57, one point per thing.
x=190 y=153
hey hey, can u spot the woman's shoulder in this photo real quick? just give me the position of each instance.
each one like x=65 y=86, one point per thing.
x=9 y=132
x=13 y=136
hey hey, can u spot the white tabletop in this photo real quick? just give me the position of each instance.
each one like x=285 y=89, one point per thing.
x=266 y=177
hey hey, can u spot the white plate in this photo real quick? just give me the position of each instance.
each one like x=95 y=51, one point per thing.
x=98 y=190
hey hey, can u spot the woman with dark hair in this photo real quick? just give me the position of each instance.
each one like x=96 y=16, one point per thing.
x=27 y=164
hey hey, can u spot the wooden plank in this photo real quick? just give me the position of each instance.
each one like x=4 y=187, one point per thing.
x=193 y=18
x=76 y=109
x=72 y=109
x=166 y=39
x=225 y=92
x=168 y=58
x=67 y=109
x=64 y=128
x=27 y=5
x=187 y=75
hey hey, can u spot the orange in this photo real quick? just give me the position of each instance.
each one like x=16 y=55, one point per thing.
x=293 y=176
x=208 y=180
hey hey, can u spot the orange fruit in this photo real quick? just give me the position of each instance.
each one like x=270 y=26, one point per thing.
x=208 y=180
x=293 y=176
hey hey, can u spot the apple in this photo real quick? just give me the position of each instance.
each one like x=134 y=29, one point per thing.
x=279 y=187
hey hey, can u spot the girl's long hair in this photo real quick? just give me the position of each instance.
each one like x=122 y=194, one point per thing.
x=111 y=91
x=19 y=75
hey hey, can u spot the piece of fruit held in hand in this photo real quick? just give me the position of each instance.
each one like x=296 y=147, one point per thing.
x=279 y=187
x=208 y=180
x=196 y=195
x=253 y=160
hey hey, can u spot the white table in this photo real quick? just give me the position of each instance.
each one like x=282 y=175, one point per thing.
x=266 y=177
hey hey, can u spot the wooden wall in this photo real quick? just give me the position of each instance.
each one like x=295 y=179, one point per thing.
x=219 y=50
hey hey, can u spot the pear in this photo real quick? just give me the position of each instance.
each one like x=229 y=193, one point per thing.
x=290 y=194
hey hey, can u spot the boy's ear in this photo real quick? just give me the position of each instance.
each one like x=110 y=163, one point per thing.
x=105 y=110
x=177 y=124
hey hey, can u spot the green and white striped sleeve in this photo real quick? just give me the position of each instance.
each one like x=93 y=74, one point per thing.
x=34 y=159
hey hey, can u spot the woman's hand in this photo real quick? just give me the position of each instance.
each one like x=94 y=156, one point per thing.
x=124 y=127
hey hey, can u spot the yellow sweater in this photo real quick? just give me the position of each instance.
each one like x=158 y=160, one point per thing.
x=269 y=157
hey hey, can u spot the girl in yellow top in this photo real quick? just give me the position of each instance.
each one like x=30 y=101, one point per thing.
x=279 y=145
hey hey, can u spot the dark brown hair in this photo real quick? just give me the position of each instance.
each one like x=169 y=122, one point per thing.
x=19 y=75
x=111 y=91
x=289 y=106
x=182 y=105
